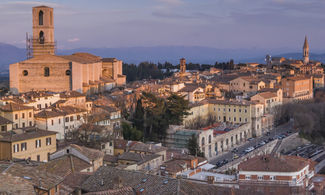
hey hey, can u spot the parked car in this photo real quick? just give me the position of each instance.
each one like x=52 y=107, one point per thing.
x=249 y=149
x=268 y=133
x=234 y=150
x=235 y=156
x=250 y=139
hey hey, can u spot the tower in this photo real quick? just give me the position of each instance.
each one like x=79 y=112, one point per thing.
x=182 y=66
x=43 y=31
x=306 y=51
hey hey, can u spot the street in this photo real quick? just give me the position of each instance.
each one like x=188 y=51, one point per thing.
x=273 y=133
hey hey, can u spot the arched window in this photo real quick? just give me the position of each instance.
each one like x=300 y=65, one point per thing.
x=202 y=141
x=40 y=17
x=41 y=37
x=209 y=139
x=46 y=71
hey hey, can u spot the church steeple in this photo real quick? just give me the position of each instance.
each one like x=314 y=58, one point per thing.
x=306 y=51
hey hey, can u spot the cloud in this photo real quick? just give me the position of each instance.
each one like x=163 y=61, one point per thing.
x=72 y=40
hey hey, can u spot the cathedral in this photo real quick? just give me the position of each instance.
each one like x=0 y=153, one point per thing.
x=43 y=70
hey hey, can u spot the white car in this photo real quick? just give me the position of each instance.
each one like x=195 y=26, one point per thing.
x=249 y=149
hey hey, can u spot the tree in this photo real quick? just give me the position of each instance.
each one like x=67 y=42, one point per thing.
x=131 y=133
x=177 y=109
x=193 y=147
x=138 y=116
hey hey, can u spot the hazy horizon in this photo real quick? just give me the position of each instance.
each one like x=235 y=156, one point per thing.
x=274 y=25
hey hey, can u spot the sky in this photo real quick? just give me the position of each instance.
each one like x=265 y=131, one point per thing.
x=224 y=24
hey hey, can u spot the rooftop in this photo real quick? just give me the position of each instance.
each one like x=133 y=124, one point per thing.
x=269 y=163
x=24 y=134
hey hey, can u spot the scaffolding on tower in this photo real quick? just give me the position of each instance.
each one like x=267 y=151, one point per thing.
x=29 y=46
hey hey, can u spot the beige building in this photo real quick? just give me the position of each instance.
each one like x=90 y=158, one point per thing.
x=21 y=116
x=44 y=70
x=297 y=88
x=246 y=84
x=5 y=125
x=270 y=99
x=236 y=112
x=31 y=143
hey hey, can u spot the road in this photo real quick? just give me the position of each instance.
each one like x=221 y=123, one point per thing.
x=229 y=155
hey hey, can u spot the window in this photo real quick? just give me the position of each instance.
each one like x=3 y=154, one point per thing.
x=30 y=114
x=234 y=118
x=245 y=110
x=229 y=110
x=38 y=158
x=52 y=122
x=4 y=128
x=46 y=71
x=78 y=117
x=23 y=146
x=30 y=123
x=16 y=116
x=37 y=143
x=23 y=115
x=16 y=126
x=71 y=118
x=260 y=177
x=202 y=141
x=23 y=124
x=209 y=139
x=59 y=121
x=272 y=177
x=25 y=72
x=66 y=119
x=239 y=110
x=41 y=37
x=48 y=141
x=16 y=148
x=248 y=177
x=234 y=110
x=40 y=18
x=68 y=72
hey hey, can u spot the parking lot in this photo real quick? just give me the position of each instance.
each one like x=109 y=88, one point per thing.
x=306 y=151
x=252 y=144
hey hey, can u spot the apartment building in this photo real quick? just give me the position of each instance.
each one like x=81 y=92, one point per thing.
x=277 y=171
x=246 y=84
x=297 y=88
x=21 y=116
x=270 y=99
x=29 y=143
x=61 y=120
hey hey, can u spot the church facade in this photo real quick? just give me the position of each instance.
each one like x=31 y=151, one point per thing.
x=82 y=72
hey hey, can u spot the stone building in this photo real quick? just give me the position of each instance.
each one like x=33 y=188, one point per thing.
x=82 y=72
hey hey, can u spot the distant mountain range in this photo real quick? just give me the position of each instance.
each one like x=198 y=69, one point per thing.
x=203 y=55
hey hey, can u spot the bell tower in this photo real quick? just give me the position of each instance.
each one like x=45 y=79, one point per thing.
x=43 y=31
x=306 y=51
x=182 y=66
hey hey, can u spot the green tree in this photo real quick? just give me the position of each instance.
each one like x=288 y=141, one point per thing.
x=131 y=133
x=193 y=147
x=177 y=109
x=138 y=116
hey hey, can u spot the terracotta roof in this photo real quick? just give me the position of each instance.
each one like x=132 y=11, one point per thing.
x=24 y=134
x=91 y=154
x=65 y=165
x=189 y=88
x=48 y=114
x=71 y=94
x=104 y=177
x=229 y=102
x=110 y=158
x=267 y=95
x=137 y=157
x=4 y=121
x=124 y=190
x=151 y=148
x=175 y=166
x=84 y=58
x=14 y=107
x=41 y=179
x=15 y=185
x=120 y=144
x=269 y=163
